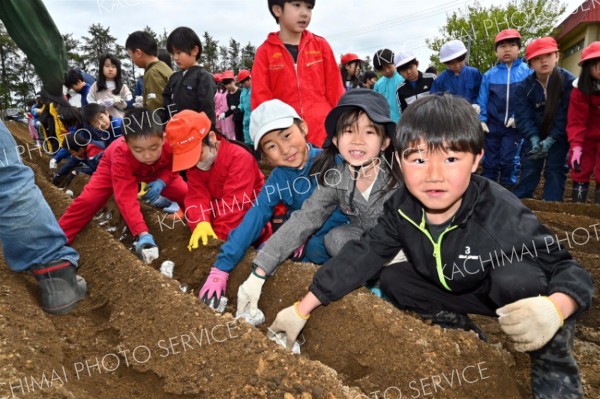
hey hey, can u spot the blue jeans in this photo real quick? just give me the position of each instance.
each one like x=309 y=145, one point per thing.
x=501 y=157
x=29 y=233
x=555 y=172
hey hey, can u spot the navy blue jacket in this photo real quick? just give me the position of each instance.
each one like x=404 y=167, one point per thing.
x=531 y=103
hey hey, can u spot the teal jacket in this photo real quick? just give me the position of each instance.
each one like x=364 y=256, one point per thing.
x=245 y=108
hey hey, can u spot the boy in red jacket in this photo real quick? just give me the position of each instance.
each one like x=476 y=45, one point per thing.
x=223 y=177
x=297 y=67
x=142 y=155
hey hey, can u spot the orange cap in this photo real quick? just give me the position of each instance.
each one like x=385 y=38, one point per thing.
x=185 y=132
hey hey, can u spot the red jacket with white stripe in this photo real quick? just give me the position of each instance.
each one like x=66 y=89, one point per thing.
x=312 y=87
x=583 y=120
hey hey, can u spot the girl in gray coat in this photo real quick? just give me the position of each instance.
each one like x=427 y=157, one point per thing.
x=356 y=172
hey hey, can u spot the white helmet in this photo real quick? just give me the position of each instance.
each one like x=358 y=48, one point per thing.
x=452 y=50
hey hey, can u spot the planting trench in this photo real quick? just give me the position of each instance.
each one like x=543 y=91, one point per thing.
x=360 y=341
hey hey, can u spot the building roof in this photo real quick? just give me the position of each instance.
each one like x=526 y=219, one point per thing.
x=587 y=12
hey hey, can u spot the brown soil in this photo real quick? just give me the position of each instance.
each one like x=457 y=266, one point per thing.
x=360 y=341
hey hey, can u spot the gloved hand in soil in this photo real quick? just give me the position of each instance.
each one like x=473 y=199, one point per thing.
x=203 y=230
x=146 y=248
x=289 y=321
x=214 y=288
x=530 y=322
x=249 y=294
x=153 y=190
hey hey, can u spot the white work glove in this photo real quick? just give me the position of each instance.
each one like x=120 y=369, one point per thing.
x=107 y=102
x=38 y=124
x=477 y=108
x=249 y=294
x=53 y=165
x=222 y=116
x=485 y=127
x=511 y=123
x=290 y=322
x=233 y=107
x=139 y=102
x=530 y=322
x=119 y=102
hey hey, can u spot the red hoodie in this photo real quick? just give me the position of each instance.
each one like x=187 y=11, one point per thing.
x=312 y=87
x=223 y=194
x=583 y=121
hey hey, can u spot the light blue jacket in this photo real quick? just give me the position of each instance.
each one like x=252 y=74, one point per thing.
x=245 y=108
x=388 y=87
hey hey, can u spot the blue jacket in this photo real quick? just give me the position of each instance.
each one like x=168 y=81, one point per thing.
x=245 y=108
x=288 y=185
x=84 y=93
x=531 y=103
x=497 y=93
x=388 y=87
x=466 y=84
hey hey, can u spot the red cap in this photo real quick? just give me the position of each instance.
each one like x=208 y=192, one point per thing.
x=507 y=34
x=185 y=132
x=217 y=77
x=227 y=75
x=349 y=57
x=591 y=51
x=243 y=74
x=543 y=45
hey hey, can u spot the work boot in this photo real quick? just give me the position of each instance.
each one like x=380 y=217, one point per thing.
x=597 y=194
x=580 y=192
x=60 y=286
x=554 y=371
x=447 y=319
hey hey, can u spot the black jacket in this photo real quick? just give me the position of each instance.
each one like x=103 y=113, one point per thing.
x=406 y=94
x=195 y=90
x=491 y=229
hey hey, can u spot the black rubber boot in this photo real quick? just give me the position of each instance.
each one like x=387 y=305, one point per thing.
x=554 y=371
x=597 y=194
x=60 y=286
x=580 y=192
x=448 y=319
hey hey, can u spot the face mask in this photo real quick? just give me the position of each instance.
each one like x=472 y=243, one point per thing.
x=206 y=165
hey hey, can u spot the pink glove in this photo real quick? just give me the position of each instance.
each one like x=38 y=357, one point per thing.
x=214 y=286
x=576 y=157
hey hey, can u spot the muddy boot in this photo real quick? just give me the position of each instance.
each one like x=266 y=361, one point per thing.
x=60 y=286
x=580 y=192
x=554 y=371
x=597 y=195
x=448 y=319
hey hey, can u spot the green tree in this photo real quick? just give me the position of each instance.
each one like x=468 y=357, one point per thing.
x=99 y=42
x=223 y=58
x=162 y=39
x=477 y=27
x=367 y=66
x=248 y=54
x=9 y=59
x=233 y=53
x=72 y=46
x=210 y=52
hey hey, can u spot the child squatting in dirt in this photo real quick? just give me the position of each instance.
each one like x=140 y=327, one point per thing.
x=447 y=211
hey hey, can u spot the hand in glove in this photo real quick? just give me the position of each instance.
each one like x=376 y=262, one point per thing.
x=249 y=294
x=53 y=164
x=107 y=102
x=203 y=230
x=139 y=102
x=214 y=287
x=546 y=144
x=535 y=145
x=290 y=322
x=576 y=153
x=119 y=102
x=153 y=190
x=530 y=322
x=511 y=123
x=233 y=107
x=146 y=248
x=485 y=127
x=222 y=116
x=143 y=190
x=477 y=108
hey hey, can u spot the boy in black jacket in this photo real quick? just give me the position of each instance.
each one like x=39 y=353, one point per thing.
x=471 y=246
x=192 y=87
x=416 y=83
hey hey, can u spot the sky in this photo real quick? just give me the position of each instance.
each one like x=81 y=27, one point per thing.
x=357 y=26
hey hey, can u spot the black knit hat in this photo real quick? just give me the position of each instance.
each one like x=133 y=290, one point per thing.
x=372 y=103
x=383 y=57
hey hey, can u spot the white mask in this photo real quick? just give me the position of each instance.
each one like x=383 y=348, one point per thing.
x=207 y=164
